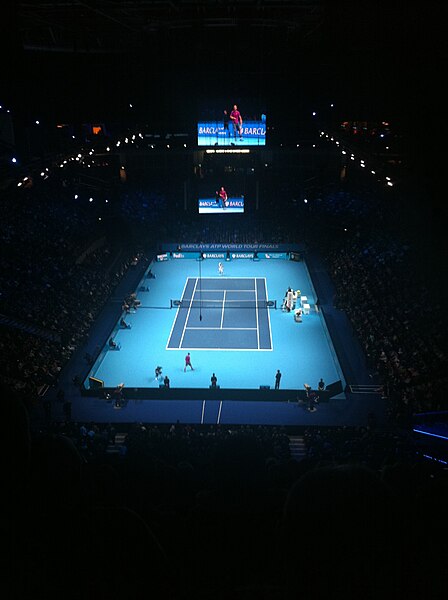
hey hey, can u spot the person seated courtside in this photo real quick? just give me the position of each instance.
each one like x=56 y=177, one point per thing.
x=124 y=325
x=298 y=315
x=133 y=301
x=289 y=300
x=113 y=344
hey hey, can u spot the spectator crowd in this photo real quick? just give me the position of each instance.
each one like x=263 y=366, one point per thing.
x=108 y=511
x=111 y=510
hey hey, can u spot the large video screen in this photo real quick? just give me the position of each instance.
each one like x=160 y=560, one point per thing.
x=233 y=128
x=216 y=205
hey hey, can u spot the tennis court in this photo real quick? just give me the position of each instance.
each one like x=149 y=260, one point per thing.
x=232 y=325
x=222 y=314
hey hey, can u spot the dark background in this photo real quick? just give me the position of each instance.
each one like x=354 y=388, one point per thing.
x=373 y=60
x=84 y=62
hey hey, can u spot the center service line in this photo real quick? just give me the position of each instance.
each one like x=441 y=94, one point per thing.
x=203 y=410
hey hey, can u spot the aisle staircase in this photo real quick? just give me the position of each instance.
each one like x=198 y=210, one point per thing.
x=45 y=334
x=115 y=448
x=368 y=389
x=297 y=447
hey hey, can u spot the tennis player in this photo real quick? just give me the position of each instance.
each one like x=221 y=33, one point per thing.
x=220 y=268
x=237 y=122
x=222 y=197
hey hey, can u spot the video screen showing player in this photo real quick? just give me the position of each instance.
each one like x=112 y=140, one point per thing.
x=221 y=203
x=230 y=128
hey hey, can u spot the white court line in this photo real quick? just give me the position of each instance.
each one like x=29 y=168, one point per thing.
x=253 y=279
x=223 y=304
x=203 y=410
x=209 y=279
x=175 y=317
x=188 y=314
x=219 y=413
x=225 y=349
x=256 y=314
x=224 y=328
x=269 y=316
x=211 y=291
x=220 y=301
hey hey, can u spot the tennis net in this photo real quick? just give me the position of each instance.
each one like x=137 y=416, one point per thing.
x=227 y=304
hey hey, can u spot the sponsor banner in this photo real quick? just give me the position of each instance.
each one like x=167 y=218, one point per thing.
x=222 y=247
x=242 y=255
x=191 y=247
x=214 y=254
x=273 y=255
x=177 y=255
x=162 y=257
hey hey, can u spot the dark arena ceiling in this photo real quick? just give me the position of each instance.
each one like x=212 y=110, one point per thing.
x=375 y=61
x=108 y=26
x=182 y=50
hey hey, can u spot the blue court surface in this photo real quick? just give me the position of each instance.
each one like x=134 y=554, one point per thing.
x=228 y=323
x=222 y=314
